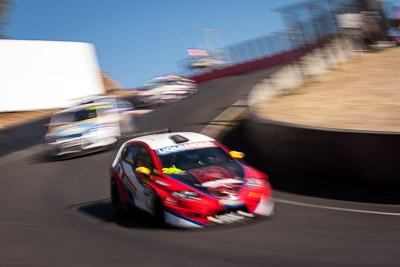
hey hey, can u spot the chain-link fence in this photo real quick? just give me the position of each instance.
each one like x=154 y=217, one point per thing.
x=306 y=23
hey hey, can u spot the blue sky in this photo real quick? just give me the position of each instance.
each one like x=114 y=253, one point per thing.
x=137 y=40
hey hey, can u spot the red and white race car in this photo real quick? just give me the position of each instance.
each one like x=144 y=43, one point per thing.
x=188 y=180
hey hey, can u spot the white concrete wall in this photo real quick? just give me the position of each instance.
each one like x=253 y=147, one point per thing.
x=46 y=74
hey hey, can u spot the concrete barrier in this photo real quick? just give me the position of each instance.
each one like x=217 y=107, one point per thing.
x=367 y=158
x=361 y=157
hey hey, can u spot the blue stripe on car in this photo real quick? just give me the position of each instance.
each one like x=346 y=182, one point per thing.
x=185 y=218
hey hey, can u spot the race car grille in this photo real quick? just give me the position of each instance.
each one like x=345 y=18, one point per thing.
x=235 y=210
x=70 y=144
x=231 y=215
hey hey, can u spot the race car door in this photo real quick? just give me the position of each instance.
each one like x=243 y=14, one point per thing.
x=138 y=156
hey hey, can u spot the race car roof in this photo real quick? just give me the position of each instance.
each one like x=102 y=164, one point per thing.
x=158 y=141
x=77 y=108
x=96 y=101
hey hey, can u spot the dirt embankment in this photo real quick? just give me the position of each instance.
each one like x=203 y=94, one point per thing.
x=361 y=94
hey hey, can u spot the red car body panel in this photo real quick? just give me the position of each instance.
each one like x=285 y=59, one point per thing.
x=207 y=209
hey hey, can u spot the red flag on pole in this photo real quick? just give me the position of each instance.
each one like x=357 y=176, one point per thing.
x=197 y=52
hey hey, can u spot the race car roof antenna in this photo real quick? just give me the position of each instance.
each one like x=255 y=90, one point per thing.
x=178 y=138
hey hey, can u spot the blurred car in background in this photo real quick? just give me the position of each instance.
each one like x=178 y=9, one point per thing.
x=188 y=180
x=125 y=110
x=205 y=62
x=165 y=89
x=94 y=123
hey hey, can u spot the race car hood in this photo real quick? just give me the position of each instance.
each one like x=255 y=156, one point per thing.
x=221 y=182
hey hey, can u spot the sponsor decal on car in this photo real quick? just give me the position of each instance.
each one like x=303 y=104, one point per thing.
x=171 y=149
x=231 y=202
x=220 y=182
x=183 y=147
x=172 y=170
x=131 y=188
x=255 y=195
x=99 y=107
x=149 y=196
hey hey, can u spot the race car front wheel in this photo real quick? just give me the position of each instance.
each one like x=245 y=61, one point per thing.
x=116 y=197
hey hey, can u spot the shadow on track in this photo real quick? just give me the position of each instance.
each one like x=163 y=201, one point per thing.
x=138 y=219
x=44 y=156
x=131 y=218
x=285 y=181
x=22 y=136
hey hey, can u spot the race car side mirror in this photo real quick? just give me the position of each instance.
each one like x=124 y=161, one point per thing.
x=143 y=170
x=236 y=154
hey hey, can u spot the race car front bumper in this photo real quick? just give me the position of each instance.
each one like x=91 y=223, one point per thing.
x=223 y=217
x=177 y=220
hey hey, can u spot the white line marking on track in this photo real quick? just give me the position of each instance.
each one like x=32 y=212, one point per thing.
x=224 y=119
x=334 y=208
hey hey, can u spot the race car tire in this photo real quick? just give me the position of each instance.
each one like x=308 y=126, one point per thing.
x=116 y=202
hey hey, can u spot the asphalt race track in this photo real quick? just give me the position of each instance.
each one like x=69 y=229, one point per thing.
x=58 y=213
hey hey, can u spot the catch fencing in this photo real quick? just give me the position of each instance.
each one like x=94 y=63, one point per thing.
x=306 y=24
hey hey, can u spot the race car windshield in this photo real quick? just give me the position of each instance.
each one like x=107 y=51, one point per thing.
x=85 y=114
x=61 y=119
x=195 y=158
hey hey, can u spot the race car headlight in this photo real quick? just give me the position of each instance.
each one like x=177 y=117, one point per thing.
x=186 y=195
x=254 y=182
